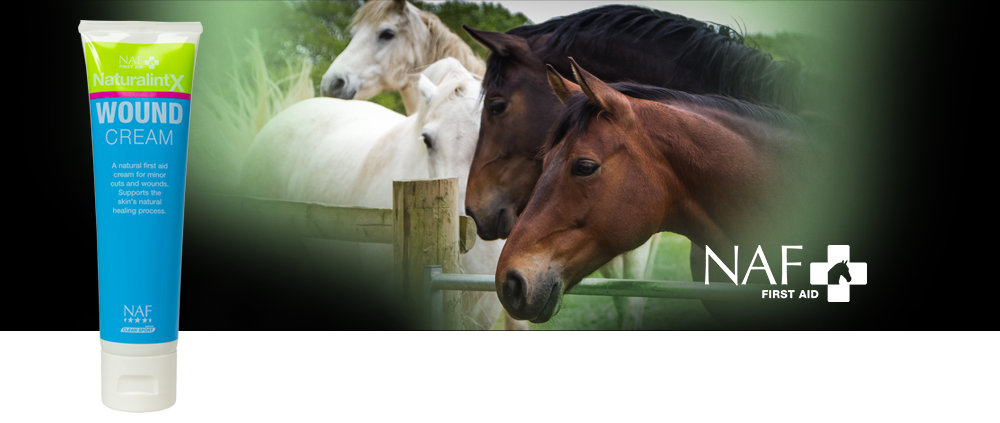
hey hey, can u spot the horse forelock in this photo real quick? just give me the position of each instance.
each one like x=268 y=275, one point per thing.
x=454 y=84
x=572 y=120
x=495 y=67
x=409 y=19
x=373 y=12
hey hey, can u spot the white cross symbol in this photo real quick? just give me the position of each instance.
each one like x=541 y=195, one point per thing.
x=152 y=62
x=820 y=272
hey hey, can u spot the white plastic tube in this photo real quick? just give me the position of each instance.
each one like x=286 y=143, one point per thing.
x=140 y=77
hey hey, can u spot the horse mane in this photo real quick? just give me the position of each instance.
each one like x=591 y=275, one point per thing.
x=447 y=44
x=442 y=43
x=579 y=110
x=717 y=51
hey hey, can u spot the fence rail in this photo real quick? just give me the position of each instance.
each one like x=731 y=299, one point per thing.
x=337 y=223
x=428 y=234
x=436 y=282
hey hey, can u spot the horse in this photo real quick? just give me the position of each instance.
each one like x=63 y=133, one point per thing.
x=390 y=42
x=617 y=43
x=626 y=161
x=348 y=152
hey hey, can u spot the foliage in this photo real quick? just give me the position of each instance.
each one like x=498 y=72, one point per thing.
x=314 y=30
x=809 y=51
x=318 y=31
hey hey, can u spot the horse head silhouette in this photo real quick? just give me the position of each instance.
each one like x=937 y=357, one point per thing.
x=838 y=270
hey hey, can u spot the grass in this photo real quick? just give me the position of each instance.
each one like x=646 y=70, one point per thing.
x=584 y=312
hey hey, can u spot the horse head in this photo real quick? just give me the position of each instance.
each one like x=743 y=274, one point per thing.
x=598 y=196
x=518 y=105
x=386 y=44
x=390 y=42
x=449 y=119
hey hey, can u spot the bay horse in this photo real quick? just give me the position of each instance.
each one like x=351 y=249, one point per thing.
x=626 y=161
x=617 y=43
x=391 y=42
x=348 y=152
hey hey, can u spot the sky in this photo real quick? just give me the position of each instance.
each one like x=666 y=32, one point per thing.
x=820 y=18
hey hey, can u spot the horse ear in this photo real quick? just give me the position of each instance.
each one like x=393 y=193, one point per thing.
x=498 y=42
x=426 y=88
x=562 y=86
x=599 y=93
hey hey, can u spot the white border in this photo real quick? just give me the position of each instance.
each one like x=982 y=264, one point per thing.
x=526 y=377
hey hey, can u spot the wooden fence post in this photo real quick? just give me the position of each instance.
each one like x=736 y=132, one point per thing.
x=426 y=232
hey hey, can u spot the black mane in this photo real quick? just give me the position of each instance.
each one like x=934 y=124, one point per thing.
x=638 y=22
x=716 y=51
x=579 y=110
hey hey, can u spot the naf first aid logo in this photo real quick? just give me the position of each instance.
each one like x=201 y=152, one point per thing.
x=838 y=273
x=138 y=62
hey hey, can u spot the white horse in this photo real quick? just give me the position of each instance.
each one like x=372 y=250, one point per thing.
x=347 y=153
x=391 y=41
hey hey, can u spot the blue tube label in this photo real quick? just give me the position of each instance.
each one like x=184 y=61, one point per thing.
x=140 y=143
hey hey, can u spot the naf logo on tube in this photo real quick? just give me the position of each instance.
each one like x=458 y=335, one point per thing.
x=138 y=314
x=137 y=62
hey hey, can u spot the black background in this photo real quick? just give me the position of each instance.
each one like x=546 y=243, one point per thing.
x=915 y=209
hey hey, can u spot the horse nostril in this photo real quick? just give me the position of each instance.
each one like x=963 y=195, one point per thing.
x=514 y=288
x=333 y=88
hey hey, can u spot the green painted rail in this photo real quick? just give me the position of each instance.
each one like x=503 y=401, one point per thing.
x=435 y=282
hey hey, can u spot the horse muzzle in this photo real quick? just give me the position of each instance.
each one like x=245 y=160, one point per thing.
x=533 y=300
x=337 y=86
x=491 y=225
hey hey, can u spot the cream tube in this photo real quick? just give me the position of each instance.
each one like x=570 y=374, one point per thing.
x=140 y=78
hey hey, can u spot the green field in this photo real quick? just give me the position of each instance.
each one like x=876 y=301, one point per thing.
x=584 y=312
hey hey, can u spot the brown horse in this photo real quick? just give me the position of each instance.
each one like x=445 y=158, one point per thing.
x=619 y=168
x=617 y=43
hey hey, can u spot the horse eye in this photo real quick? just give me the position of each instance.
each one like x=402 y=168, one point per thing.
x=496 y=107
x=584 y=168
x=386 y=35
x=427 y=140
